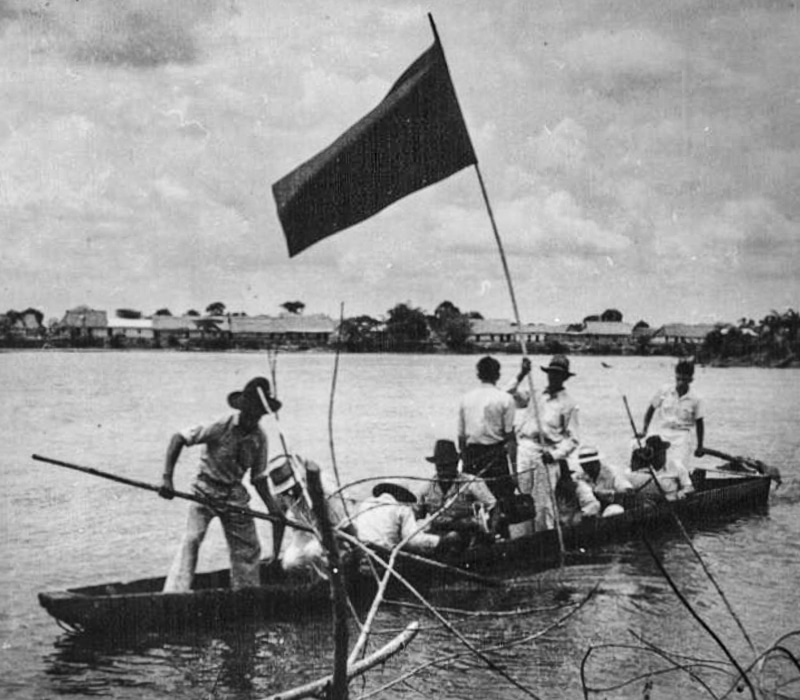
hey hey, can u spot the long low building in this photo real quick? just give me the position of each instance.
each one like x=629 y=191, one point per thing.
x=292 y=330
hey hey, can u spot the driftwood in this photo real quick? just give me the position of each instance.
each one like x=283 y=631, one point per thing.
x=356 y=669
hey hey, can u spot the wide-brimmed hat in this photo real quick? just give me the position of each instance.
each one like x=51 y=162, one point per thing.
x=400 y=493
x=257 y=389
x=559 y=363
x=282 y=475
x=587 y=455
x=656 y=443
x=444 y=452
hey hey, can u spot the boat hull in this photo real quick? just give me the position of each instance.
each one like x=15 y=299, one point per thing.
x=122 y=609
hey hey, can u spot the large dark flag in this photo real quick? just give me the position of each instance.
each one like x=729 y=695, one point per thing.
x=416 y=136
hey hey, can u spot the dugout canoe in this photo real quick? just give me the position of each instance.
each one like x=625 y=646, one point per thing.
x=719 y=496
x=137 y=607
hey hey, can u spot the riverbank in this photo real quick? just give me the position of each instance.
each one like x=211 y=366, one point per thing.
x=753 y=360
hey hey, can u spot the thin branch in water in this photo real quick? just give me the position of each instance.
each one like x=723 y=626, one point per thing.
x=457 y=655
x=489 y=663
x=697 y=617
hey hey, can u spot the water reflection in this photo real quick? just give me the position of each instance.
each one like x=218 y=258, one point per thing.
x=242 y=661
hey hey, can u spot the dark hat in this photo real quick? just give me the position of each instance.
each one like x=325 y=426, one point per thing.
x=400 y=493
x=656 y=443
x=444 y=452
x=559 y=363
x=257 y=389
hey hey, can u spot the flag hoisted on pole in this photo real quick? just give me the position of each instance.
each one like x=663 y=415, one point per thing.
x=415 y=137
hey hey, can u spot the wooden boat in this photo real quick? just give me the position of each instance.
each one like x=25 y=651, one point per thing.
x=719 y=496
x=136 y=607
x=122 y=609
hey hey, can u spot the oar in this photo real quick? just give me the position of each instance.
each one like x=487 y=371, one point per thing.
x=753 y=465
x=242 y=510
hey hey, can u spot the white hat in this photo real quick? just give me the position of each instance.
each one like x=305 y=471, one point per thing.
x=587 y=455
x=613 y=509
x=282 y=474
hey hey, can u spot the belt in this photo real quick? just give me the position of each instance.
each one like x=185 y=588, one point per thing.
x=535 y=438
x=216 y=483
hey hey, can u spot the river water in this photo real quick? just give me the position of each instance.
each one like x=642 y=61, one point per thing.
x=117 y=411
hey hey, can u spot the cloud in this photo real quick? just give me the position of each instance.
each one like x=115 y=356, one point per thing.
x=624 y=60
x=133 y=33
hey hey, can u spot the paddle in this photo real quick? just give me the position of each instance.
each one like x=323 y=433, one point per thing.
x=752 y=465
x=275 y=519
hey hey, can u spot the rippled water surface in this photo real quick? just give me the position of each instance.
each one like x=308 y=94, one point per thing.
x=116 y=411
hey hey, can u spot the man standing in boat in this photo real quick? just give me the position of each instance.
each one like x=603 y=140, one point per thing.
x=486 y=433
x=673 y=413
x=233 y=446
x=539 y=453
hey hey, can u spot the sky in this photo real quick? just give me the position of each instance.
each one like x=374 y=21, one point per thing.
x=642 y=156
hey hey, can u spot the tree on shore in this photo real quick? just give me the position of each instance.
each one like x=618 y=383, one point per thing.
x=128 y=313
x=216 y=308
x=611 y=316
x=293 y=307
x=774 y=339
x=163 y=312
x=360 y=334
x=406 y=327
x=451 y=325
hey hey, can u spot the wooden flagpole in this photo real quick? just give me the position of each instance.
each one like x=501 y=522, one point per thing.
x=520 y=336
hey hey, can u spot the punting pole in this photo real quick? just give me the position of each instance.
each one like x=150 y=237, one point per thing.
x=533 y=402
x=632 y=422
x=215 y=505
x=242 y=510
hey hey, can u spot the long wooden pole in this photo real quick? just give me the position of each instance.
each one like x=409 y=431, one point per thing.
x=275 y=519
x=523 y=345
x=215 y=505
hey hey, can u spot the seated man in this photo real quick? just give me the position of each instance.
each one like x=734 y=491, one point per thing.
x=302 y=550
x=607 y=483
x=575 y=498
x=387 y=519
x=456 y=502
x=670 y=485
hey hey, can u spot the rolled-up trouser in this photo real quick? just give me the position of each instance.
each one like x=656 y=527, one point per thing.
x=534 y=479
x=678 y=456
x=243 y=546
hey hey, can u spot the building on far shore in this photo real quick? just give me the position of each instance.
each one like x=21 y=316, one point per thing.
x=291 y=330
x=489 y=332
x=83 y=322
x=681 y=334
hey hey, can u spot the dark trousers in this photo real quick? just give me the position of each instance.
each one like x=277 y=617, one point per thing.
x=490 y=462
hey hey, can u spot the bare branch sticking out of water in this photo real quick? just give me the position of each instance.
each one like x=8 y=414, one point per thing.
x=314 y=688
x=486 y=650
